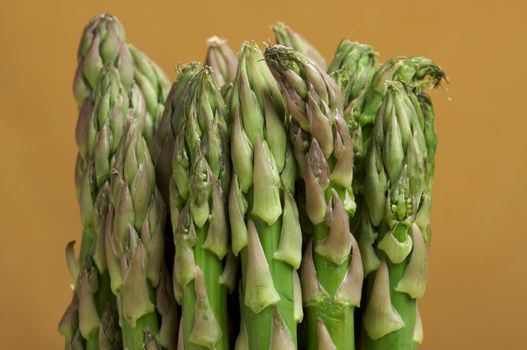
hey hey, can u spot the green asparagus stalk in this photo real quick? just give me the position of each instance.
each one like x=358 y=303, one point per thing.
x=134 y=240
x=331 y=272
x=286 y=36
x=200 y=176
x=99 y=129
x=263 y=214
x=396 y=193
x=222 y=60
x=105 y=89
x=417 y=73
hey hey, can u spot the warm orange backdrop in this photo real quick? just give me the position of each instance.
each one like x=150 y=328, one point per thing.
x=477 y=292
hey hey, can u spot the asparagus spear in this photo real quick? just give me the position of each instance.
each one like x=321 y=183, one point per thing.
x=288 y=37
x=263 y=213
x=331 y=271
x=222 y=60
x=200 y=175
x=164 y=137
x=352 y=69
x=105 y=88
x=396 y=192
x=99 y=129
x=417 y=73
x=134 y=241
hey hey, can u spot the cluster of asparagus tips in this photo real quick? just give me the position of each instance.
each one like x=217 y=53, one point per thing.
x=263 y=214
x=331 y=272
x=217 y=160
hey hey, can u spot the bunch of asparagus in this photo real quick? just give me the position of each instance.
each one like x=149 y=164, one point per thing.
x=266 y=201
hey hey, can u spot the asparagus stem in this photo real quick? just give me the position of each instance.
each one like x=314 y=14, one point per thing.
x=263 y=213
x=405 y=306
x=331 y=268
x=217 y=294
x=200 y=175
x=101 y=50
x=135 y=240
x=106 y=89
x=396 y=192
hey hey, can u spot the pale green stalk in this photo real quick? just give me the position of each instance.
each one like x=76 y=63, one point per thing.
x=263 y=214
x=99 y=129
x=417 y=73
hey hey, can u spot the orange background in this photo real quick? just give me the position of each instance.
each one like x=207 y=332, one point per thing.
x=477 y=291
